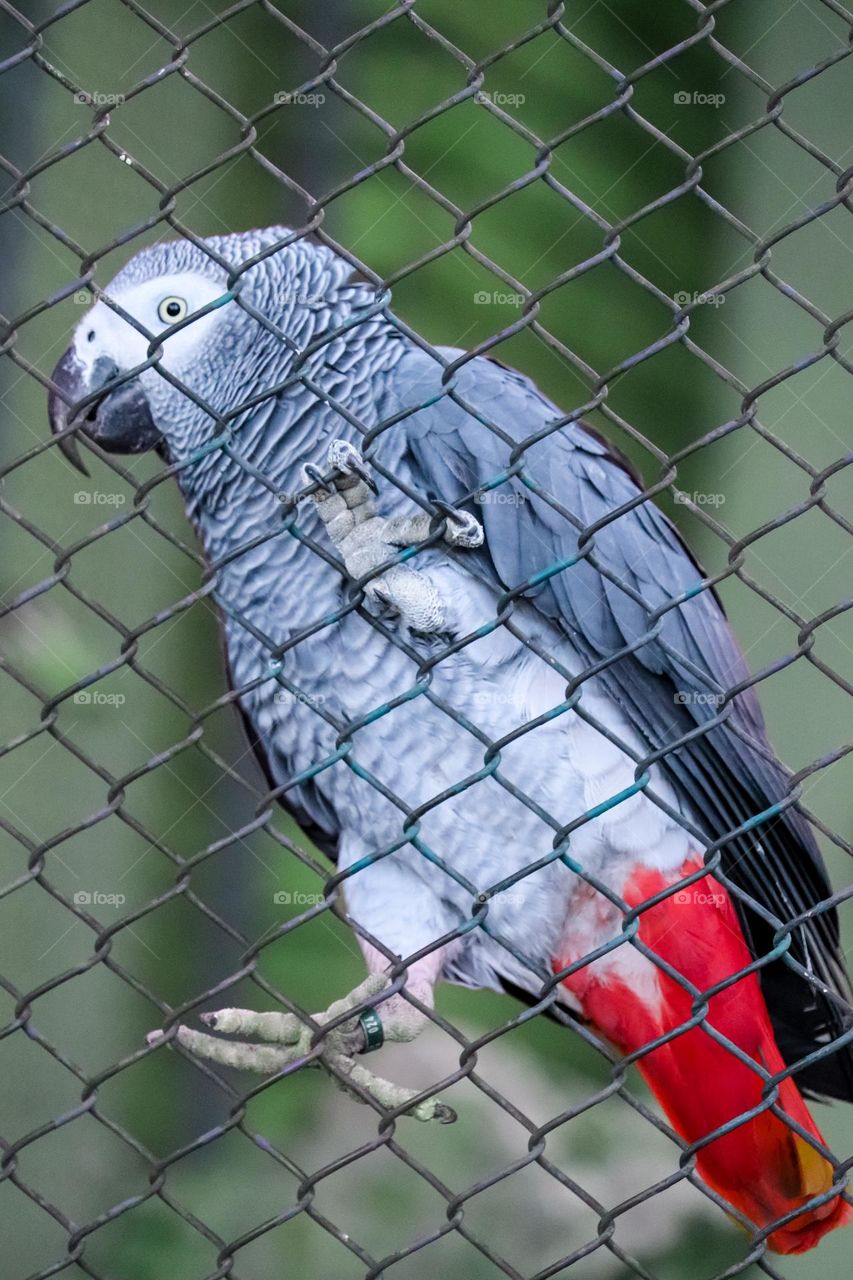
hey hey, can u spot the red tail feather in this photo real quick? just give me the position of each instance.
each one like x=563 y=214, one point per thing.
x=763 y=1167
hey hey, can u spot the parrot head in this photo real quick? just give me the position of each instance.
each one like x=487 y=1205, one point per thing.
x=185 y=334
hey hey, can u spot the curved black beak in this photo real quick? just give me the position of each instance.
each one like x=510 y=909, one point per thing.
x=116 y=417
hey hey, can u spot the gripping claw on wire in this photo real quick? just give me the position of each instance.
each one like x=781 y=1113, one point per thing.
x=346 y=459
x=463 y=529
x=368 y=541
x=284 y=1039
x=314 y=474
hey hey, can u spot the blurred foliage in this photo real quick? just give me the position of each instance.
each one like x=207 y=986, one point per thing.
x=601 y=174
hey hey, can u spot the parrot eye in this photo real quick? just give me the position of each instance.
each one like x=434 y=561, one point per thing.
x=172 y=309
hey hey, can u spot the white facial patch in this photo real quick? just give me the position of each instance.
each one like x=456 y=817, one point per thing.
x=156 y=304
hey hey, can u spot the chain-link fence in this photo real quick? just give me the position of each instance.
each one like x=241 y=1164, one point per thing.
x=648 y=213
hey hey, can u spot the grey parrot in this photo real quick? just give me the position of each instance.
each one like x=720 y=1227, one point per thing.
x=486 y=677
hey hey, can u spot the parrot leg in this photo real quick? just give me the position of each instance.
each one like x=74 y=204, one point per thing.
x=286 y=1038
x=366 y=540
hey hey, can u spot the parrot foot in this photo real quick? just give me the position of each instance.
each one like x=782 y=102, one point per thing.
x=366 y=540
x=345 y=459
x=461 y=528
x=285 y=1039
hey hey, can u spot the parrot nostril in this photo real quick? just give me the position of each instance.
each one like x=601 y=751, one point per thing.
x=90 y=336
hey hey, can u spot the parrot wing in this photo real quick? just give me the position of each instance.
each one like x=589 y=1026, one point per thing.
x=626 y=581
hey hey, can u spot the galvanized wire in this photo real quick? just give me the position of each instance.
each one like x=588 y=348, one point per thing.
x=390 y=1136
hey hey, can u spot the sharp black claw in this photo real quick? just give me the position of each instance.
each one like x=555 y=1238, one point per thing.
x=468 y=532
x=445 y=1114
x=448 y=511
x=69 y=448
x=314 y=473
x=363 y=474
x=444 y=507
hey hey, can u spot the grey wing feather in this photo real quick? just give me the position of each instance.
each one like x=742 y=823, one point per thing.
x=636 y=563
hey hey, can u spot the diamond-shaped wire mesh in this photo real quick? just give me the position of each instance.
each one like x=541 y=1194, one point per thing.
x=646 y=211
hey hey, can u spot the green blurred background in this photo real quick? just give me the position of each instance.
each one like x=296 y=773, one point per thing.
x=190 y=804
